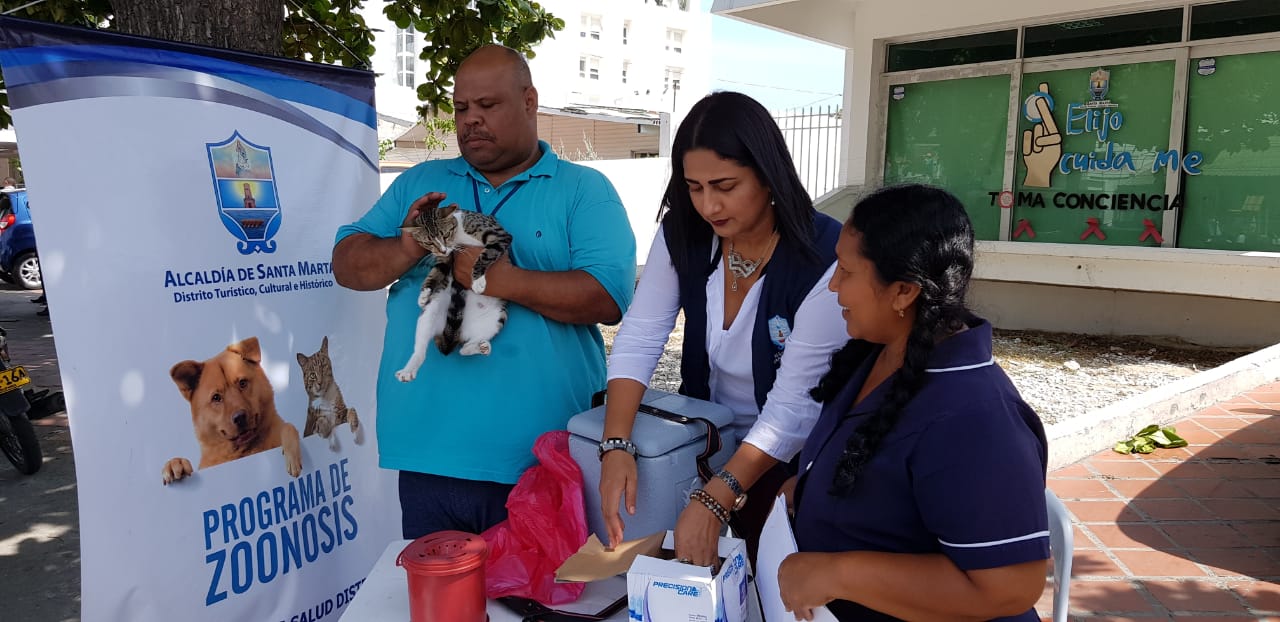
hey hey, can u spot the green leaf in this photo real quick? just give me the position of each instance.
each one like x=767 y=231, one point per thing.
x=1148 y=431
x=1149 y=438
x=1166 y=438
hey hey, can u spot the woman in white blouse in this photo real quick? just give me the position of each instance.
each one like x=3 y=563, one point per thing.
x=743 y=253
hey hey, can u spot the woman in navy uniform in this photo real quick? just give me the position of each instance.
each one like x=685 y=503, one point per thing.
x=921 y=493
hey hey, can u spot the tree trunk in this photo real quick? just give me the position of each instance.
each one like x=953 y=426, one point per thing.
x=247 y=25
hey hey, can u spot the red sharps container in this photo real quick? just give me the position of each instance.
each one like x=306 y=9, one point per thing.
x=446 y=577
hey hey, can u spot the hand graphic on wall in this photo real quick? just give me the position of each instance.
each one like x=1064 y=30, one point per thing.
x=1041 y=145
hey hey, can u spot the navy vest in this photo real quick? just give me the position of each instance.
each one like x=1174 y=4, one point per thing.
x=794 y=276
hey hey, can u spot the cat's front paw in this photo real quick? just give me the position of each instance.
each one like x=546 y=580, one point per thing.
x=478 y=285
x=406 y=375
x=476 y=347
x=424 y=298
x=324 y=426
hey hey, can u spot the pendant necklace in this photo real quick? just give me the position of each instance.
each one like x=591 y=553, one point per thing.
x=741 y=267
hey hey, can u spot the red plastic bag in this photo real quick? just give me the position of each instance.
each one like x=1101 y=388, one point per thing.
x=546 y=523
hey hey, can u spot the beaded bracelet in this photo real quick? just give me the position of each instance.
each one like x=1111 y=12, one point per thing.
x=706 y=499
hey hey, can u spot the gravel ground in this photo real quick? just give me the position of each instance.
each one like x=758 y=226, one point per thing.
x=1060 y=375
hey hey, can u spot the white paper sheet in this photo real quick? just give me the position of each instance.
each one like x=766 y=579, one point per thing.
x=776 y=543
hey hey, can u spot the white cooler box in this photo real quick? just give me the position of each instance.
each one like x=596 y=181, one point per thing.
x=666 y=460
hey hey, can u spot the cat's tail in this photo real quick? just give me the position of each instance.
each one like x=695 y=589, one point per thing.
x=451 y=336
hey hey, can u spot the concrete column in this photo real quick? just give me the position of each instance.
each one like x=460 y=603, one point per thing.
x=665 y=133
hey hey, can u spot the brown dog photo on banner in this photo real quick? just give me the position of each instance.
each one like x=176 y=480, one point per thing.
x=233 y=411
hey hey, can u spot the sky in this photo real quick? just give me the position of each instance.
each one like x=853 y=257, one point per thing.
x=779 y=70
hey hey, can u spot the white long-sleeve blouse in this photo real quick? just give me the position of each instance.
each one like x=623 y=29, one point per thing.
x=781 y=427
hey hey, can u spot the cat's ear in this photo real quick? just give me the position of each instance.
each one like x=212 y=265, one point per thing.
x=448 y=209
x=324 y=344
x=302 y=359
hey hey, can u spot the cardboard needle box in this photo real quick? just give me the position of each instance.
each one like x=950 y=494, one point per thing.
x=661 y=589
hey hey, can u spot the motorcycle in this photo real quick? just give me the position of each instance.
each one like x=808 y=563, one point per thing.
x=18 y=439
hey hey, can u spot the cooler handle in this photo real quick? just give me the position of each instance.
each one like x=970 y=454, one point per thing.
x=713 y=444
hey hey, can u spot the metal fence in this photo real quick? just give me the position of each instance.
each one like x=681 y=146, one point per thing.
x=813 y=136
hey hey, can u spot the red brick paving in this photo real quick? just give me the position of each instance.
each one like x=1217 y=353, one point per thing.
x=1191 y=535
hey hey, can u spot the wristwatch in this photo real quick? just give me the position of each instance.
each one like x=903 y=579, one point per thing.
x=610 y=444
x=739 y=495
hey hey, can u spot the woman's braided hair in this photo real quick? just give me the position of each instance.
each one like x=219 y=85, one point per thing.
x=914 y=234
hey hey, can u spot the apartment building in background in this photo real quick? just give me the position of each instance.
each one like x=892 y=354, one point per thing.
x=645 y=54
x=616 y=61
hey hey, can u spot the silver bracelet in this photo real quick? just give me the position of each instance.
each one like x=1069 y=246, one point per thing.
x=732 y=482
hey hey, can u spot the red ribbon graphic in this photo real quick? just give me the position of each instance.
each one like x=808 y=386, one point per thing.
x=1150 y=232
x=1093 y=229
x=1024 y=225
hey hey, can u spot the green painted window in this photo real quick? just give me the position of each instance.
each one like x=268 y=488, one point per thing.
x=1233 y=118
x=951 y=134
x=1103 y=33
x=1097 y=174
x=1233 y=19
x=962 y=50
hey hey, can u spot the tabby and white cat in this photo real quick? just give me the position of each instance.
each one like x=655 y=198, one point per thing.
x=326 y=409
x=463 y=316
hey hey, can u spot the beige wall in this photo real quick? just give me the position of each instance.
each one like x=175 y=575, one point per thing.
x=571 y=137
x=1204 y=320
x=568 y=136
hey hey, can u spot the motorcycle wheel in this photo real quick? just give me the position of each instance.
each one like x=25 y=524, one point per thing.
x=19 y=443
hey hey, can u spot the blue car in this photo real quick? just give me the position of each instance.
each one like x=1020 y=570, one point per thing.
x=18 y=260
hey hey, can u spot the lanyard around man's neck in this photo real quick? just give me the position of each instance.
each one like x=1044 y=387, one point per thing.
x=475 y=193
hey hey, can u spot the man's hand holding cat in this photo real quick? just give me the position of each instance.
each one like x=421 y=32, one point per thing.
x=464 y=264
x=410 y=246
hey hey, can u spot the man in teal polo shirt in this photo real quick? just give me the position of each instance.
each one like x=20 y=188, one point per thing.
x=461 y=433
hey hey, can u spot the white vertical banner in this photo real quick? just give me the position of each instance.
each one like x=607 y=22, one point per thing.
x=220 y=385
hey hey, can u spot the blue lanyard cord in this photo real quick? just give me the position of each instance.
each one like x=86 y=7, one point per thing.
x=475 y=193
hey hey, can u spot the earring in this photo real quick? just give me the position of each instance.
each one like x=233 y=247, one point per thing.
x=772 y=203
x=902 y=313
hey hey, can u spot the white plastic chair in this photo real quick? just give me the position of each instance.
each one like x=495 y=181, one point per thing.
x=1061 y=547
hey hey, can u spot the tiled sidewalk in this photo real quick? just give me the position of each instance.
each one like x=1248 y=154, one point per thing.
x=1186 y=534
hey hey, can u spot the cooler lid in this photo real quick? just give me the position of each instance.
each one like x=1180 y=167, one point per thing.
x=655 y=436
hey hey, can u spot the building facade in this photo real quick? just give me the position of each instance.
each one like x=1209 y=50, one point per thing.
x=1120 y=161
x=645 y=55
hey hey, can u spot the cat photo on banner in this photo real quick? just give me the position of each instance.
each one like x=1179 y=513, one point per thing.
x=326 y=409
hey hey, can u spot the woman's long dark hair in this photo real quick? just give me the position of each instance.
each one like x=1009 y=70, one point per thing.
x=736 y=128
x=914 y=234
